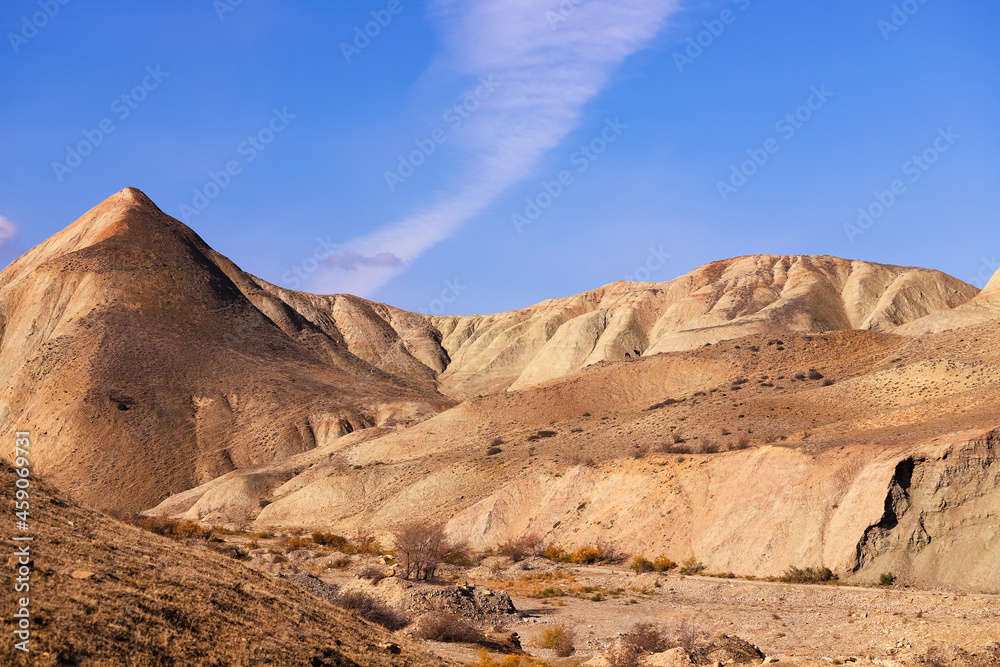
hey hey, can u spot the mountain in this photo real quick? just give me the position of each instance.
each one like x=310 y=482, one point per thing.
x=148 y=363
x=156 y=373
x=763 y=294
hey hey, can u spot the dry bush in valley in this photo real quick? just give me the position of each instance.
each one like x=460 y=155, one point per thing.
x=691 y=566
x=172 y=528
x=648 y=638
x=522 y=547
x=443 y=626
x=513 y=660
x=659 y=564
x=421 y=549
x=372 y=610
x=623 y=654
x=687 y=635
x=560 y=639
x=809 y=575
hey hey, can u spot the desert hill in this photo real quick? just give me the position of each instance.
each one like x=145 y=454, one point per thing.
x=764 y=294
x=106 y=593
x=752 y=455
x=984 y=308
x=149 y=364
x=728 y=414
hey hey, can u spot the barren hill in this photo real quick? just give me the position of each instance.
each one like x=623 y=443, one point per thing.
x=983 y=309
x=720 y=301
x=149 y=363
x=856 y=450
x=759 y=412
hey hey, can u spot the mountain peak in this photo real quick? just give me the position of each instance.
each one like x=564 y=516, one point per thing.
x=131 y=197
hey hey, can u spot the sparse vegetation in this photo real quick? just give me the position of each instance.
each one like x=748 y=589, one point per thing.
x=172 y=528
x=660 y=564
x=691 y=566
x=513 y=660
x=443 y=626
x=648 y=638
x=886 y=579
x=809 y=575
x=560 y=639
x=421 y=549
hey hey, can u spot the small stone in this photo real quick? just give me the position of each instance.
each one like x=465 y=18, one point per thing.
x=81 y=574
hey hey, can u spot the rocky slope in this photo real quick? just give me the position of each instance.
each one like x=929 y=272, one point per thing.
x=105 y=593
x=722 y=453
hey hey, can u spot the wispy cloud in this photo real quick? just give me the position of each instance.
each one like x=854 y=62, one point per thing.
x=550 y=58
x=7 y=230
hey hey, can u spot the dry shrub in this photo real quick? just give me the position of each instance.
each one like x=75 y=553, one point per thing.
x=640 y=565
x=648 y=637
x=557 y=555
x=295 y=543
x=372 y=610
x=691 y=566
x=559 y=639
x=522 y=547
x=663 y=564
x=421 y=549
x=340 y=563
x=372 y=574
x=687 y=635
x=623 y=654
x=809 y=575
x=513 y=660
x=338 y=542
x=178 y=530
x=443 y=626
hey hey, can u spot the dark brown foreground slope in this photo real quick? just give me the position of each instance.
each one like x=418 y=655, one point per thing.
x=105 y=593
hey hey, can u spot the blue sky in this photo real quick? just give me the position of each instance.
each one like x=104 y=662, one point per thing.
x=485 y=155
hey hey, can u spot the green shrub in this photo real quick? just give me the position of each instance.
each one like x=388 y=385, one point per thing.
x=886 y=579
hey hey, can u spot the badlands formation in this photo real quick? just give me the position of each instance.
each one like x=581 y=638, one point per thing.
x=757 y=413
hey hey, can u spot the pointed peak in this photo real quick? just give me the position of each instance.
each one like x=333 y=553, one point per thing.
x=131 y=197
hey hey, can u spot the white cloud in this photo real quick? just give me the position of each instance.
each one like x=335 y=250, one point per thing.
x=549 y=60
x=7 y=230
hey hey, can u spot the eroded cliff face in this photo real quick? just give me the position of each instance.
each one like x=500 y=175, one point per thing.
x=927 y=513
x=941 y=520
